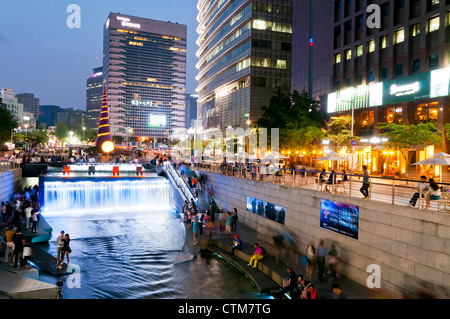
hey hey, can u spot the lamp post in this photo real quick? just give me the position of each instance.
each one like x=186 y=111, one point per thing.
x=84 y=129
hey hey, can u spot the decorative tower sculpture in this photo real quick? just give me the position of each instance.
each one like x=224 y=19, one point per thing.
x=104 y=138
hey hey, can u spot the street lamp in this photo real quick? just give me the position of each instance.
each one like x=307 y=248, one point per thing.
x=84 y=129
x=71 y=137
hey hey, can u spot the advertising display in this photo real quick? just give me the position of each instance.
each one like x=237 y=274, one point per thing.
x=340 y=218
x=266 y=210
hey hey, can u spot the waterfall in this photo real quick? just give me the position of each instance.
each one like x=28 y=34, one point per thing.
x=65 y=196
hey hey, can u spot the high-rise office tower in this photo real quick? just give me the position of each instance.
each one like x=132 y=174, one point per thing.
x=144 y=70
x=30 y=103
x=244 y=55
x=191 y=109
x=48 y=115
x=94 y=92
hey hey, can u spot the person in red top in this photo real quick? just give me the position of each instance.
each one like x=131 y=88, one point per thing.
x=312 y=292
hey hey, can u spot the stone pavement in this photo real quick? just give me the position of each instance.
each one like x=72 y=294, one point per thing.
x=270 y=265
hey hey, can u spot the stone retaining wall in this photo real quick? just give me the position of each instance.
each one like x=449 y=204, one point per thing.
x=411 y=246
x=10 y=182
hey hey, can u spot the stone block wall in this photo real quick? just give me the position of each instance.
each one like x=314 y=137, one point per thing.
x=411 y=246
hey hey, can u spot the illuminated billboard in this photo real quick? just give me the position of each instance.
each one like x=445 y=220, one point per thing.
x=340 y=218
x=157 y=120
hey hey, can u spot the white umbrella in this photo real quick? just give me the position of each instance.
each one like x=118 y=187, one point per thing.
x=274 y=155
x=333 y=156
x=440 y=159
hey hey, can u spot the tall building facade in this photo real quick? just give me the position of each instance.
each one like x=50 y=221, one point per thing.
x=48 y=115
x=191 y=109
x=244 y=55
x=94 y=92
x=144 y=70
x=9 y=102
x=398 y=73
x=30 y=103
x=312 y=44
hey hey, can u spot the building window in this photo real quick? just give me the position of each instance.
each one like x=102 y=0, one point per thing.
x=394 y=115
x=384 y=73
x=433 y=61
x=399 y=69
x=415 y=30
x=433 y=24
x=337 y=58
x=366 y=120
x=399 y=36
x=415 y=66
x=359 y=50
x=426 y=113
x=348 y=82
x=371 y=46
x=384 y=42
x=348 y=54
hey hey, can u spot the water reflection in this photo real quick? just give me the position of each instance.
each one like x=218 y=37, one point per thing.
x=129 y=255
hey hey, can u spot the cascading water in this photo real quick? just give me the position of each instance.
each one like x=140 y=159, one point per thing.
x=86 y=196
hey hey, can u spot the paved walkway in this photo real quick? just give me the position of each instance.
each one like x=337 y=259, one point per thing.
x=350 y=288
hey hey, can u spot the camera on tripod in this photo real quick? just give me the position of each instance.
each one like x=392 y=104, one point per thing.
x=59 y=285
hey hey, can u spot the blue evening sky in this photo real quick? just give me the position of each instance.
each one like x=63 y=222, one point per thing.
x=39 y=54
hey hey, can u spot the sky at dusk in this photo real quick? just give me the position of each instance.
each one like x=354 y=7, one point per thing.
x=39 y=54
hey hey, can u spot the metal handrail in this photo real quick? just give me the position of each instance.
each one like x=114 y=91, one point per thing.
x=397 y=193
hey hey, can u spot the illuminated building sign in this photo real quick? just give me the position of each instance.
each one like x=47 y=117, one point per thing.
x=415 y=87
x=127 y=23
x=157 y=120
x=142 y=103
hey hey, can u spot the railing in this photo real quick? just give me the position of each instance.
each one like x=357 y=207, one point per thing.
x=179 y=182
x=7 y=165
x=384 y=189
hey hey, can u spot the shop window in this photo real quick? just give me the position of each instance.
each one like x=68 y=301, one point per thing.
x=426 y=113
x=394 y=115
x=366 y=120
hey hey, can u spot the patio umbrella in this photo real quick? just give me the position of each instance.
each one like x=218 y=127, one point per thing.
x=332 y=157
x=274 y=155
x=440 y=159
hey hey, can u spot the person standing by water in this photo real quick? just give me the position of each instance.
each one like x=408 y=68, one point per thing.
x=229 y=220
x=34 y=216
x=65 y=250
x=60 y=243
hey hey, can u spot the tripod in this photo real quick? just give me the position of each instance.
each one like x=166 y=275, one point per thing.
x=59 y=285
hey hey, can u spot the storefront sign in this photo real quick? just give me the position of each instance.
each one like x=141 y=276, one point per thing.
x=411 y=88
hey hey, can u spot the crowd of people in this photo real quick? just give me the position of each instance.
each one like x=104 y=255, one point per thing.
x=18 y=214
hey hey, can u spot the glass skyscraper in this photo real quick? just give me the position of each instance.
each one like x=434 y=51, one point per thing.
x=144 y=70
x=94 y=93
x=244 y=55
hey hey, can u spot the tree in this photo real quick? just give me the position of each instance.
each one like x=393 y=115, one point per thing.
x=61 y=131
x=339 y=131
x=298 y=117
x=403 y=137
x=7 y=124
x=447 y=131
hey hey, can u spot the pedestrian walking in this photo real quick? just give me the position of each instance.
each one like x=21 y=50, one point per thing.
x=35 y=220
x=19 y=243
x=311 y=260
x=421 y=188
x=322 y=254
x=229 y=220
x=195 y=231
x=366 y=183
x=234 y=220
x=9 y=244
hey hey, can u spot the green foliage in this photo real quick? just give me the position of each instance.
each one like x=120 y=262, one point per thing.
x=447 y=131
x=61 y=131
x=298 y=118
x=7 y=124
x=403 y=137
x=339 y=131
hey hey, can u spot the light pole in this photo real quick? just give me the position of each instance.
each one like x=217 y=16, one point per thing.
x=84 y=129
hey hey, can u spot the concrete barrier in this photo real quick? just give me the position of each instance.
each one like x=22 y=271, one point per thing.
x=410 y=246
